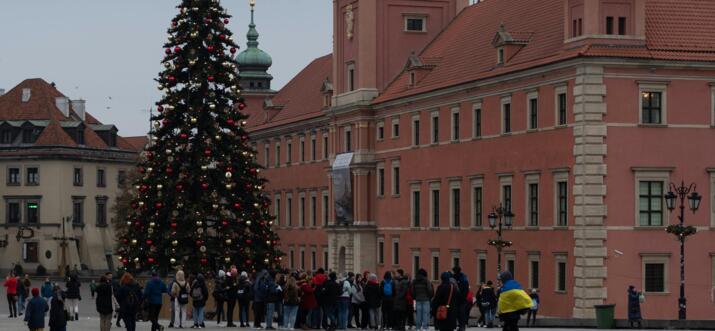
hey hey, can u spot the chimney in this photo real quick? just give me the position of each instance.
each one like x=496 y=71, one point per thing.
x=2 y=91
x=78 y=107
x=26 y=92
x=63 y=104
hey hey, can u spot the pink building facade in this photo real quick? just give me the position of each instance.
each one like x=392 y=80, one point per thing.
x=574 y=114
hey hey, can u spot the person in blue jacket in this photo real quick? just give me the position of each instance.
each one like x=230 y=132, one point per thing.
x=153 y=292
x=36 y=310
x=46 y=290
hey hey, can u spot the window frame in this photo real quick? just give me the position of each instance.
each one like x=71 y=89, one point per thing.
x=36 y=181
x=651 y=175
x=325 y=208
x=289 y=210
x=656 y=258
x=75 y=180
x=481 y=267
x=301 y=148
x=434 y=265
x=416 y=17
x=477 y=120
x=301 y=209
x=560 y=258
x=561 y=177
x=415 y=205
x=558 y=92
x=395 y=125
x=313 y=209
x=534 y=277
x=532 y=202
x=289 y=151
x=661 y=88
x=454 y=118
x=434 y=127
x=380 y=178
x=38 y=214
x=416 y=127
x=19 y=218
x=380 y=251
x=78 y=200
x=277 y=209
x=395 y=178
x=26 y=249
x=505 y=106
x=313 y=147
x=347 y=138
x=455 y=204
x=380 y=131
x=101 y=177
x=326 y=146
x=477 y=202
x=277 y=150
x=350 y=77
x=267 y=156
x=434 y=205
x=18 y=179
x=395 y=250
x=101 y=221
x=506 y=197
x=532 y=113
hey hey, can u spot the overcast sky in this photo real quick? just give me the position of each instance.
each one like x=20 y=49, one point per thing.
x=109 y=51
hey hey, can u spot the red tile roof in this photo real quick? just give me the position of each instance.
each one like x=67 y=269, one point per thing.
x=136 y=143
x=301 y=97
x=675 y=30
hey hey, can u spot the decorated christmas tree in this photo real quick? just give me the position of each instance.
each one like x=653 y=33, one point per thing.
x=198 y=202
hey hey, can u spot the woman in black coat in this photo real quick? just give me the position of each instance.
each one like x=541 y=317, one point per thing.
x=130 y=300
x=104 y=303
x=446 y=295
x=58 y=317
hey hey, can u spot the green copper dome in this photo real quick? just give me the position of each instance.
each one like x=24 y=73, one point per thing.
x=252 y=57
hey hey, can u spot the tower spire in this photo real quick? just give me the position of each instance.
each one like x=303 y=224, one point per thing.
x=253 y=63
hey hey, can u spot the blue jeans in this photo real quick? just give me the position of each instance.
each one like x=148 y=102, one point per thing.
x=343 y=307
x=21 y=304
x=270 y=308
x=198 y=315
x=330 y=312
x=290 y=312
x=316 y=318
x=422 y=315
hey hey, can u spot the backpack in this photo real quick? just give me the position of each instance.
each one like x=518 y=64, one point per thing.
x=197 y=293
x=183 y=296
x=132 y=299
x=387 y=288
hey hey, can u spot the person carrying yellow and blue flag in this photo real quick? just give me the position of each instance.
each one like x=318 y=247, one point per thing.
x=513 y=301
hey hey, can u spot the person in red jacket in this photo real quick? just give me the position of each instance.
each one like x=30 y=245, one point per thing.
x=308 y=304
x=11 y=288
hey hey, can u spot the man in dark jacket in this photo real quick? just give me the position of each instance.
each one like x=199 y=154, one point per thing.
x=104 y=303
x=153 y=292
x=463 y=284
x=73 y=296
x=245 y=293
x=260 y=297
x=231 y=287
x=422 y=292
x=331 y=290
x=402 y=286
x=58 y=318
x=488 y=302
x=373 y=298
x=36 y=309
x=130 y=298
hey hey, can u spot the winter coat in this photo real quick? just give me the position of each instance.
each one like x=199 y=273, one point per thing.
x=200 y=284
x=402 y=286
x=46 y=290
x=331 y=290
x=20 y=288
x=35 y=313
x=27 y=285
x=73 y=286
x=153 y=291
x=231 y=288
x=358 y=294
x=441 y=298
x=104 y=299
x=123 y=294
x=291 y=296
x=262 y=287
x=58 y=318
x=488 y=299
x=219 y=292
x=634 y=305
x=422 y=289
x=275 y=291
x=11 y=286
x=244 y=290
x=307 y=301
x=373 y=295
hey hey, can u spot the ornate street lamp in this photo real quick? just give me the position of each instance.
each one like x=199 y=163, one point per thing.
x=500 y=217
x=681 y=231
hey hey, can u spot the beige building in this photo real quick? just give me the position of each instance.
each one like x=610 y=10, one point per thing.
x=61 y=170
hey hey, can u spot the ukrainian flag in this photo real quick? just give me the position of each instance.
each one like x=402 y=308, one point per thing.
x=512 y=298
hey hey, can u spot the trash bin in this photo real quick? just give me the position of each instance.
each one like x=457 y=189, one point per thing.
x=604 y=316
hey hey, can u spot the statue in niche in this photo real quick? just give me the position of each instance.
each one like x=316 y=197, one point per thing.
x=349 y=21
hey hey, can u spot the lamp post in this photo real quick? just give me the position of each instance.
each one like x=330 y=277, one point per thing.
x=681 y=231
x=500 y=217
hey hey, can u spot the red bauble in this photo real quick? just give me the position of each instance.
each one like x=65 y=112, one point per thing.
x=173 y=225
x=210 y=48
x=150 y=260
x=205 y=186
x=207 y=152
x=241 y=106
x=125 y=261
x=169 y=170
x=157 y=205
x=249 y=241
x=249 y=262
x=253 y=170
x=211 y=78
x=179 y=187
x=160 y=109
x=245 y=138
x=174 y=23
x=224 y=223
x=222 y=36
x=149 y=242
x=229 y=121
x=233 y=50
x=184 y=136
x=125 y=240
x=237 y=205
x=207 y=20
x=204 y=261
x=177 y=49
x=172 y=79
x=225 y=21
x=149 y=155
x=142 y=170
x=168 y=51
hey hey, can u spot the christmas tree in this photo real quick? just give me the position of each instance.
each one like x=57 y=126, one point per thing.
x=199 y=203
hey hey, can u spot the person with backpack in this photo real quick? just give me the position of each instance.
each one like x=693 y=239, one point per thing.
x=37 y=307
x=104 y=303
x=46 y=290
x=73 y=297
x=231 y=287
x=11 y=291
x=291 y=300
x=180 y=293
x=513 y=302
x=462 y=304
x=58 y=315
x=488 y=302
x=444 y=307
x=399 y=305
x=153 y=292
x=387 y=288
x=129 y=296
x=531 y=315
x=274 y=298
x=422 y=292
x=373 y=299
x=344 y=301
x=219 y=295
x=245 y=293
x=199 y=296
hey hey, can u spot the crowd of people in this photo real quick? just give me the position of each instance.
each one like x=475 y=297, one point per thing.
x=281 y=299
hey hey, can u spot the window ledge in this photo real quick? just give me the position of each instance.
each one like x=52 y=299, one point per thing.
x=102 y=225
x=434 y=228
x=76 y=225
x=434 y=144
x=395 y=138
x=454 y=141
x=477 y=228
x=652 y=125
x=532 y=130
x=395 y=195
x=649 y=228
x=561 y=126
x=32 y=184
x=36 y=226
x=77 y=185
x=560 y=227
x=415 y=228
x=666 y=293
x=13 y=184
x=477 y=138
x=414 y=31
x=559 y=292
x=531 y=228
x=506 y=133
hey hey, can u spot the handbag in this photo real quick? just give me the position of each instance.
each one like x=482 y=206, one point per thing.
x=443 y=310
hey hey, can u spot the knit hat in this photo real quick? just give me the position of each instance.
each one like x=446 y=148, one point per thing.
x=221 y=274
x=505 y=276
x=35 y=291
x=244 y=274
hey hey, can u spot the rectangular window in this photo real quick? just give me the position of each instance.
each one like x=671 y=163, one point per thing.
x=101 y=212
x=380 y=181
x=416 y=209
x=395 y=180
x=435 y=129
x=435 y=267
x=654 y=278
x=13 y=212
x=395 y=128
x=562 y=206
x=121 y=178
x=29 y=252
x=395 y=252
x=325 y=209
x=278 y=156
x=325 y=147
x=291 y=259
x=78 y=211
x=506 y=197
x=534 y=279
x=13 y=176
x=562 y=108
x=455 y=126
x=302 y=258
x=415 y=262
x=478 y=122
x=621 y=25
x=533 y=204
x=415 y=24
x=351 y=77
x=435 y=208
x=77 y=177
x=478 y=205
x=289 y=211
x=533 y=113
x=506 y=117
x=500 y=55
x=348 y=140
x=650 y=203
x=651 y=107
x=380 y=251
x=561 y=276
x=609 y=25
x=380 y=131
x=325 y=258
x=313 y=211
x=301 y=150
x=33 y=176
x=510 y=265
x=289 y=152
x=277 y=210
x=101 y=182
x=580 y=26
x=33 y=212
x=482 y=270
x=301 y=212
x=416 y=132
x=266 y=156
x=313 y=146
x=456 y=213
x=6 y=137
x=574 y=29
x=313 y=260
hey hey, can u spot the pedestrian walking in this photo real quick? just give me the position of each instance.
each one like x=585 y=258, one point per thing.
x=308 y=303
x=180 y=293
x=58 y=314
x=513 y=302
x=422 y=292
x=462 y=304
x=104 y=303
x=93 y=288
x=199 y=296
x=399 y=305
x=444 y=304
x=260 y=297
x=37 y=307
x=291 y=300
x=73 y=297
x=534 y=308
x=245 y=293
x=488 y=302
x=46 y=290
x=11 y=292
x=21 y=295
x=153 y=292
x=373 y=298
x=634 y=307
x=130 y=300
x=231 y=287
x=219 y=295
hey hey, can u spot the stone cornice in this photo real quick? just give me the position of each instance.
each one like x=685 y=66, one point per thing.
x=68 y=153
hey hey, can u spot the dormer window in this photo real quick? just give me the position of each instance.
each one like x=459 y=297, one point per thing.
x=80 y=136
x=6 y=137
x=30 y=134
x=415 y=24
x=611 y=25
x=412 y=78
x=500 y=55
